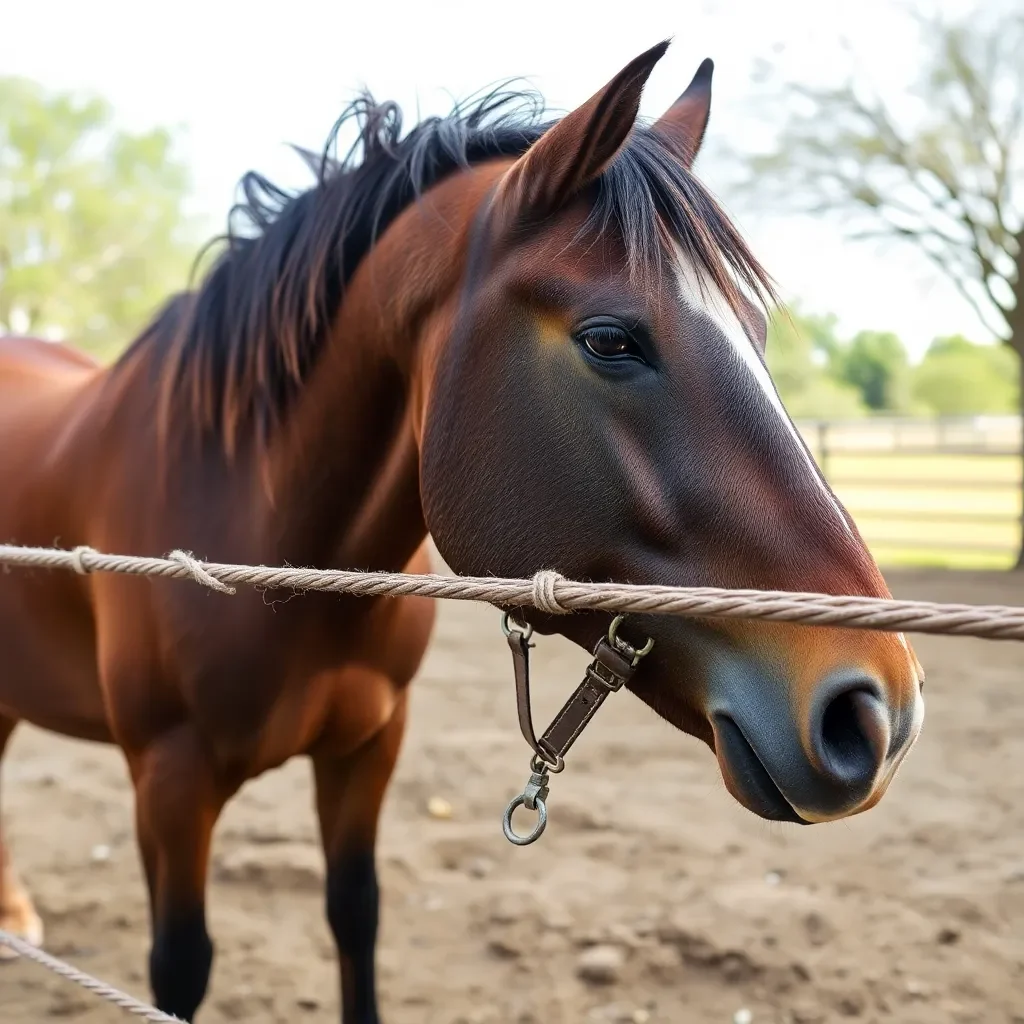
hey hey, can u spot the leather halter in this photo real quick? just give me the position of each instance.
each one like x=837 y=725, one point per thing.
x=614 y=663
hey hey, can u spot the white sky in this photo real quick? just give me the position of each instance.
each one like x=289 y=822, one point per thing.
x=244 y=79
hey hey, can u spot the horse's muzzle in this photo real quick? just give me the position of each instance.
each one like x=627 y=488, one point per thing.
x=809 y=760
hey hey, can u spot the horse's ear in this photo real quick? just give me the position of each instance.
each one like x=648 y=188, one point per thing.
x=685 y=122
x=573 y=153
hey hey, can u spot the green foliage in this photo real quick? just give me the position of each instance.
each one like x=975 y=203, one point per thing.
x=93 y=235
x=820 y=375
x=959 y=378
x=800 y=351
x=876 y=364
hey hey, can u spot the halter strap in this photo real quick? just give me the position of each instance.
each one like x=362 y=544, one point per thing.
x=613 y=665
x=610 y=670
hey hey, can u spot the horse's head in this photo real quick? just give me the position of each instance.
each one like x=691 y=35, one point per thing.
x=600 y=405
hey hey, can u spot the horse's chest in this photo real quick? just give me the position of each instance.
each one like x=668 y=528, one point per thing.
x=309 y=687
x=337 y=709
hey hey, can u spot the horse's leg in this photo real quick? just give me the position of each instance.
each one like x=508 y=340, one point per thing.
x=349 y=793
x=178 y=799
x=17 y=915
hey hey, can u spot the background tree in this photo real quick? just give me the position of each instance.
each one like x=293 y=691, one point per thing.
x=93 y=231
x=948 y=178
x=876 y=364
x=960 y=378
x=800 y=352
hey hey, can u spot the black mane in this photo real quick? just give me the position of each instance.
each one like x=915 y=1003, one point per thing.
x=241 y=344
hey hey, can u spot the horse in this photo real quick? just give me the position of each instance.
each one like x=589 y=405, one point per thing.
x=539 y=343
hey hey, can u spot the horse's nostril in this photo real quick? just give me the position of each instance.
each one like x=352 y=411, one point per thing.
x=854 y=736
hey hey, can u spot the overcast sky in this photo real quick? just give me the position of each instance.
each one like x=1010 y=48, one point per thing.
x=244 y=79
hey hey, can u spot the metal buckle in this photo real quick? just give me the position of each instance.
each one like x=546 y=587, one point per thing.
x=611 y=681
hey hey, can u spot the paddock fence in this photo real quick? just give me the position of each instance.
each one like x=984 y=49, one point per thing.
x=940 y=492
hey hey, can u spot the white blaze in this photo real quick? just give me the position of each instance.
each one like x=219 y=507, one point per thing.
x=701 y=293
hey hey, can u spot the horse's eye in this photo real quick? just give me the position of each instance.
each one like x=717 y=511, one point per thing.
x=607 y=341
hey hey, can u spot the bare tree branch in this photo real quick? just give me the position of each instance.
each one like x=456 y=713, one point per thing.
x=950 y=182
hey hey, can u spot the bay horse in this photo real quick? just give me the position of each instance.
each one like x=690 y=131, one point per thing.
x=539 y=343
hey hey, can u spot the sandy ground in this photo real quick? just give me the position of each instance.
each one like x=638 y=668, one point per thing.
x=913 y=912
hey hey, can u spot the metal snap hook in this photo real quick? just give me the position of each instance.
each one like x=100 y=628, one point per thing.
x=531 y=837
x=533 y=798
x=510 y=625
x=626 y=648
x=540 y=765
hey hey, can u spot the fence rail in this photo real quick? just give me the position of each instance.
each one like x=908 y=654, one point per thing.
x=923 y=449
x=899 y=515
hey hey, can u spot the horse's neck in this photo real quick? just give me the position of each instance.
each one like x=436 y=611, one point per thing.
x=347 y=467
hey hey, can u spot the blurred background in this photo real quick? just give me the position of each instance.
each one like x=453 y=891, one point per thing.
x=871 y=151
x=873 y=154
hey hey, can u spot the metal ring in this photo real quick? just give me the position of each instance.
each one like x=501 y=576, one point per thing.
x=530 y=837
x=508 y=625
x=613 y=639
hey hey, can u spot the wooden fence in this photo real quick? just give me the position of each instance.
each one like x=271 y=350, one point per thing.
x=939 y=491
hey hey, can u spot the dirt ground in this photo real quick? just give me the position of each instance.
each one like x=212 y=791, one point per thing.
x=913 y=912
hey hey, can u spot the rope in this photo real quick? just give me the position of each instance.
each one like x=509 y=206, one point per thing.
x=195 y=569
x=554 y=594
x=99 y=988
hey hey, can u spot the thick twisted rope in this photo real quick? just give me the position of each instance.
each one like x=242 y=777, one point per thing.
x=552 y=593
x=98 y=988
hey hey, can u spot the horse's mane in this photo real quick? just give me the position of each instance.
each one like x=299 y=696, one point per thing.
x=235 y=350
